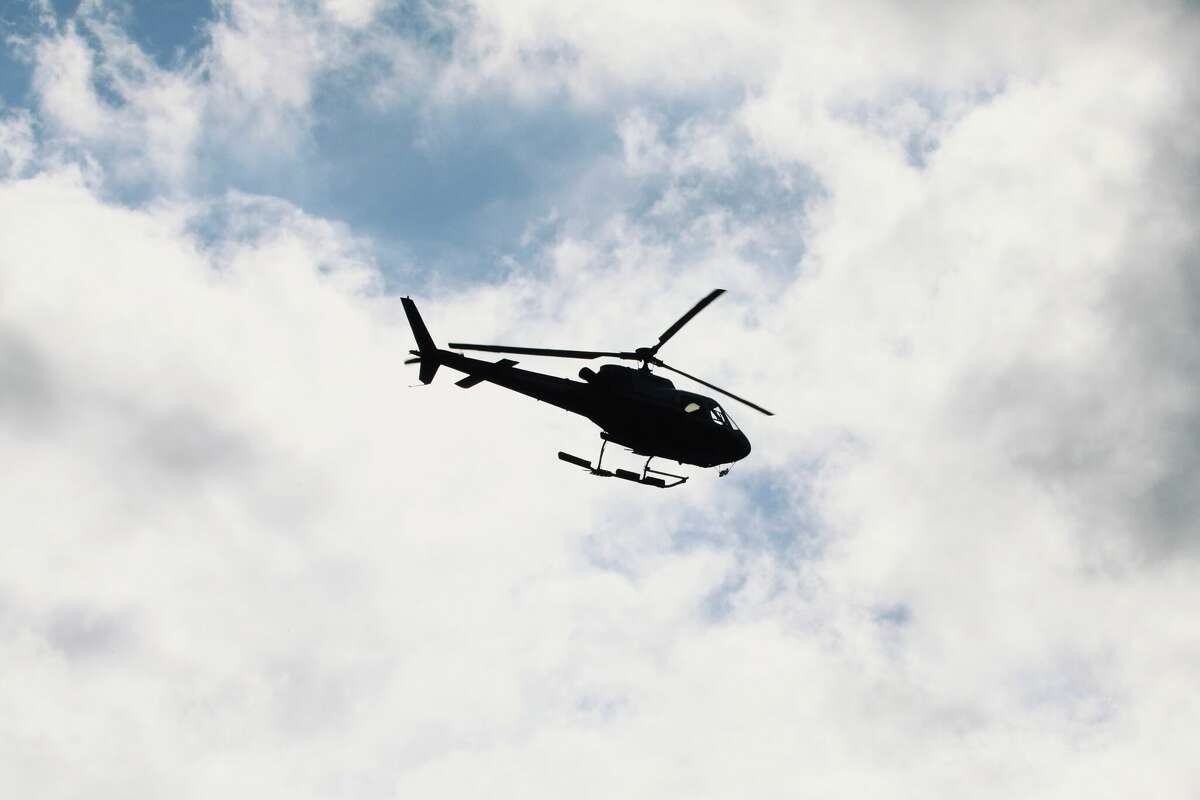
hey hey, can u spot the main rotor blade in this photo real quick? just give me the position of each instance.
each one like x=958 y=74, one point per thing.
x=755 y=406
x=686 y=318
x=538 y=351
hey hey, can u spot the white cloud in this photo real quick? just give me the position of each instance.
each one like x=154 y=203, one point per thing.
x=146 y=129
x=353 y=13
x=264 y=58
x=17 y=144
x=247 y=556
x=246 y=94
x=64 y=81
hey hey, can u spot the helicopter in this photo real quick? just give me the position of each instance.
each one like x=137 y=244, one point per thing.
x=634 y=408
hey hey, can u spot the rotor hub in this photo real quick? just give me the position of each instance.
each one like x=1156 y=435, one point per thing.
x=646 y=354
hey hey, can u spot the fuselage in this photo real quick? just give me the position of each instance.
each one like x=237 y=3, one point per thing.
x=634 y=407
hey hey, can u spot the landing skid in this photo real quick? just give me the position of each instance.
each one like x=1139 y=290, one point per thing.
x=646 y=478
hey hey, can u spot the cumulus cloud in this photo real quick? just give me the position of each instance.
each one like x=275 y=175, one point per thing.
x=17 y=143
x=246 y=555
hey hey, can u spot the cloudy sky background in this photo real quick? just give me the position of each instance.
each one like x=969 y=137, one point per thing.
x=244 y=557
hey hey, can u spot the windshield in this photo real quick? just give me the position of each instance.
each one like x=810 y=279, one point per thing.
x=716 y=414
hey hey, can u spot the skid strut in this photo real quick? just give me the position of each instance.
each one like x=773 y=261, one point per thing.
x=647 y=472
x=649 y=477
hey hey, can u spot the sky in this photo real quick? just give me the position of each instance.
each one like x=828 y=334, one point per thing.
x=246 y=554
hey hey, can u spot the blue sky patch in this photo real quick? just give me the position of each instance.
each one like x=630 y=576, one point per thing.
x=18 y=24
x=169 y=31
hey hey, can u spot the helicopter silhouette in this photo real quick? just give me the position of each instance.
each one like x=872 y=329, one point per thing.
x=634 y=408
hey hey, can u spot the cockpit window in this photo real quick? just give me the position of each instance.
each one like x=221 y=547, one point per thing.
x=729 y=419
x=715 y=413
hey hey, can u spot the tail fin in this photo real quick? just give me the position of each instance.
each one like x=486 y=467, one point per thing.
x=426 y=349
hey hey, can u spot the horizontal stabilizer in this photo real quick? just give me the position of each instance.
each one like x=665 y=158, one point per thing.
x=478 y=378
